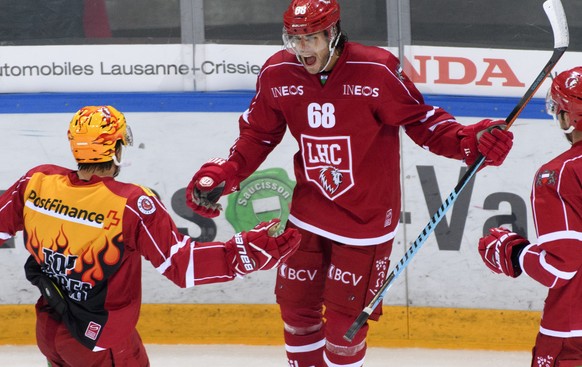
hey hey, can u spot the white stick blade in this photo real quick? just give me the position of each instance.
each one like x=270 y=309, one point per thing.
x=557 y=17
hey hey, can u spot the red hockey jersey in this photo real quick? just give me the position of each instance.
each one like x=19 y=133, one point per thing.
x=348 y=164
x=556 y=257
x=88 y=237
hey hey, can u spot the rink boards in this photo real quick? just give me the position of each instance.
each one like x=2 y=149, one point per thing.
x=445 y=298
x=418 y=327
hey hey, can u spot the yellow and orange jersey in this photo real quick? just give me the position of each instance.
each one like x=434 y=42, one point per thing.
x=88 y=237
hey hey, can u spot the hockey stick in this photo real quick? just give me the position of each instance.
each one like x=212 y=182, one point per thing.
x=555 y=13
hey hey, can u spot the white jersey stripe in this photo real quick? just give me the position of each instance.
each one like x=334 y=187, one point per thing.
x=560 y=235
x=342 y=239
x=552 y=270
x=561 y=334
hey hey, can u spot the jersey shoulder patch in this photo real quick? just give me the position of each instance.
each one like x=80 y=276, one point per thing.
x=146 y=202
x=146 y=205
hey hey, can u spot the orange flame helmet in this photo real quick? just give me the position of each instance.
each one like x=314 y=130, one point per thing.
x=565 y=95
x=310 y=16
x=94 y=132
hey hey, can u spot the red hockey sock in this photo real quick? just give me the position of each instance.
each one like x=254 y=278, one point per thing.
x=338 y=356
x=305 y=350
x=338 y=351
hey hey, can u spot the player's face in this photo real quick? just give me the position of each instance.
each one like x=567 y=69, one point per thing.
x=312 y=50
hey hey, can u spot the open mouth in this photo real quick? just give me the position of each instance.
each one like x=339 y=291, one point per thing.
x=309 y=60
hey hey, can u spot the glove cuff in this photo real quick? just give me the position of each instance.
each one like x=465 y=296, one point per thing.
x=514 y=258
x=237 y=255
x=216 y=171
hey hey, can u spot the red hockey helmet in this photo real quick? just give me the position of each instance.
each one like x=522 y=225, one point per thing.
x=565 y=95
x=310 y=16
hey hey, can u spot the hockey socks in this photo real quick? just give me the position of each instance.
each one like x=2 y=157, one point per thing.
x=305 y=350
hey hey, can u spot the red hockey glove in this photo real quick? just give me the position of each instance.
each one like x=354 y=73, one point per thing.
x=500 y=251
x=214 y=179
x=261 y=248
x=488 y=138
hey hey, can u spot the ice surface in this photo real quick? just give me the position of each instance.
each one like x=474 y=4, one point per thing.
x=272 y=356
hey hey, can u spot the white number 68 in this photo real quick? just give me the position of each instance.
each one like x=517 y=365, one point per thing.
x=321 y=115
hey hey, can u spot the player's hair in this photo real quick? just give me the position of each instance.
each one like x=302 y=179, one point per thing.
x=100 y=167
x=343 y=37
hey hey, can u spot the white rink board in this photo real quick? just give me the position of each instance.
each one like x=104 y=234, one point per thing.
x=216 y=67
x=174 y=145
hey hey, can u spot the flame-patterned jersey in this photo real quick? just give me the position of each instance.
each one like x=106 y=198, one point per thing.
x=88 y=237
x=75 y=232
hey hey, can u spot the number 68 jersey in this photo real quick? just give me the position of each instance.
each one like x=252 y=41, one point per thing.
x=347 y=129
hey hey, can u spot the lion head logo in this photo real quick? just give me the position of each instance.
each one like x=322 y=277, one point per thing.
x=330 y=178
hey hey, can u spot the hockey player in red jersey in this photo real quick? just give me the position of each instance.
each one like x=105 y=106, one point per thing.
x=554 y=258
x=345 y=104
x=86 y=234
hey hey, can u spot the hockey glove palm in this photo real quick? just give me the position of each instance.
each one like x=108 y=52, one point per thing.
x=214 y=179
x=487 y=138
x=261 y=248
x=500 y=251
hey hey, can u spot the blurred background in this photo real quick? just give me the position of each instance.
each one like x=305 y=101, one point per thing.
x=457 y=23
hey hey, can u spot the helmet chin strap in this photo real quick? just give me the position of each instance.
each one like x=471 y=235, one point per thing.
x=331 y=52
x=568 y=131
x=561 y=119
x=121 y=163
x=116 y=162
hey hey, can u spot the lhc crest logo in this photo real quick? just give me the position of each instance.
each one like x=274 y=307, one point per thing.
x=328 y=163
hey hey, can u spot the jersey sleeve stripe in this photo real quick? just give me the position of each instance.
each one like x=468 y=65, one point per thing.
x=526 y=251
x=5 y=205
x=173 y=251
x=429 y=114
x=567 y=275
x=533 y=250
x=560 y=235
x=189 y=276
x=433 y=127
